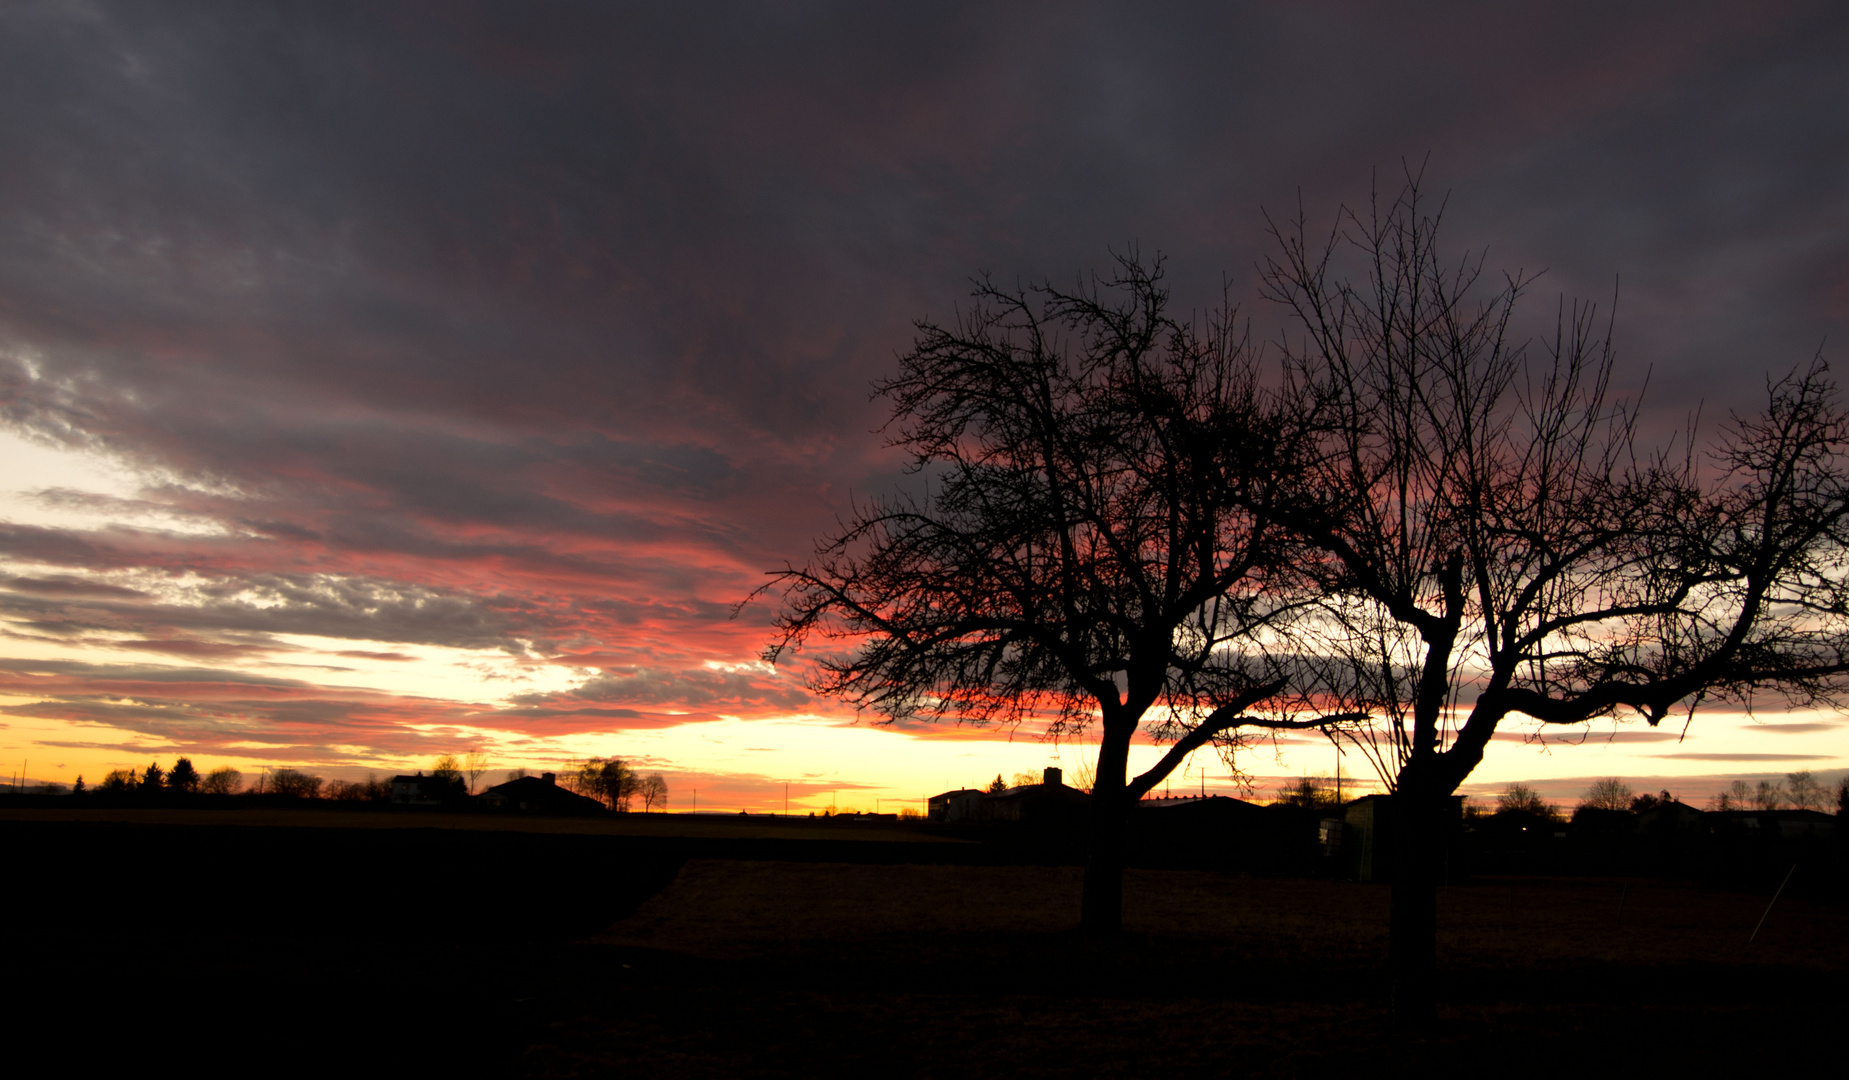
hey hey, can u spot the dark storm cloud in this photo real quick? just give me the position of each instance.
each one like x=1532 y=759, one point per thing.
x=507 y=326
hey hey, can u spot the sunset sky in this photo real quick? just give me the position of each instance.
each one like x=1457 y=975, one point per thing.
x=382 y=380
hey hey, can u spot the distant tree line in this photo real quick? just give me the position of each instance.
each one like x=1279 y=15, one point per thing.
x=182 y=778
x=614 y=783
x=1800 y=790
x=611 y=781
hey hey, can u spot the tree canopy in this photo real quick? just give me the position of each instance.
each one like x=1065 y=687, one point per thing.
x=1425 y=524
x=1081 y=548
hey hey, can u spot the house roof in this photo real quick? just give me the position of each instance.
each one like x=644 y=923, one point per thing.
x=956 y=793
x=539 y=792
x=1039 y=791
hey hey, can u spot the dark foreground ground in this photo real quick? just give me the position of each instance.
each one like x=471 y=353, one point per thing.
x=259 y=948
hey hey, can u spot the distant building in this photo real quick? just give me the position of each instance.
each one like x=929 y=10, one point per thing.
x=1672 y=816
x=1780 y=824
x=421 y=790
x=539 y=795
x=1592 y=819
x=957 y=805
x=1047 y=802
x=1199 y=809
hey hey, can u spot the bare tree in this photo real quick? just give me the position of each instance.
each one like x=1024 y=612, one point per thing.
x=223 y=780
x=339 y=790
x=1308 y=793
x=1610 y=793
x=654 y=792
x=1078 y=554
x=295 y=784
x=1494 y=543
x=610 y=781
x=1768 y=795
x=474 y=763
x=1803 y=790
x=1522 y=799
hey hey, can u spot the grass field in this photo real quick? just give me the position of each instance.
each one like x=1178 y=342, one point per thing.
x=668 y=825
x=357 y=944
x=768 y=910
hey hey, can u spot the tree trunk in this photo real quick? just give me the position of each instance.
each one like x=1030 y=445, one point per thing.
x=1418 y=848
x=1101 y=906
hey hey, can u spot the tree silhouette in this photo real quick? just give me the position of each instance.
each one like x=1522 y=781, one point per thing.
x=1804 y=791
x=223 y=780
x=1647 y=801
x=1078 y=551
x=1494 y=543
x=447 y=770
x=474 y=764
x=611 y=781
x=1520 y=798
x=154 y=779
x=1610 y=793
x=183 y=777
x=654 y=792
x=294 y=784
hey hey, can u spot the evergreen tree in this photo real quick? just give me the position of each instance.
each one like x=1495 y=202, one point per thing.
x=183 y=777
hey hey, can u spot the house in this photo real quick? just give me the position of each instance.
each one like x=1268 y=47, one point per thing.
x=421 y=790
x=1673 y=816
x=539 y=795
x=1592 y=820
x=1197 y=811
x=1047 y=802
x=1780 y=824
x=957 y=805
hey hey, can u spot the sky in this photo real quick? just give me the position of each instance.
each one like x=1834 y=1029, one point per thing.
x=381 y=380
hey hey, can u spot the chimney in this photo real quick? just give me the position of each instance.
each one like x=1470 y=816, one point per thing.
x=550 y=778
x=1051 y=777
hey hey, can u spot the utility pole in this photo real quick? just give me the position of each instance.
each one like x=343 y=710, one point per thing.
x=786 y=798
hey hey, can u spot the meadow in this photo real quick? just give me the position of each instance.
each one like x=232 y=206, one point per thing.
x=549 y=953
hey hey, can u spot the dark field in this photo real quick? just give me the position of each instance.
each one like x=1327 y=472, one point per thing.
x=353 y=948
